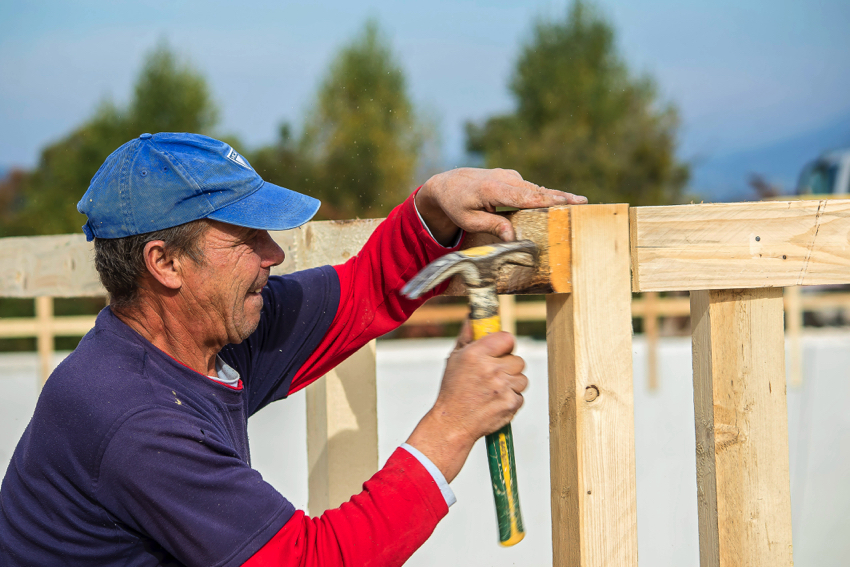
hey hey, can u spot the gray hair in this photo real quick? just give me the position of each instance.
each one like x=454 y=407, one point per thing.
x=120 y=262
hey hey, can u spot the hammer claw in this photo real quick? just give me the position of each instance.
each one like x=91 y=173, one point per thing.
x=478 y=266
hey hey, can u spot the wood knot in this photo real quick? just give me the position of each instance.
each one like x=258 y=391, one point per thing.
x=591 y=393
x=726 y=436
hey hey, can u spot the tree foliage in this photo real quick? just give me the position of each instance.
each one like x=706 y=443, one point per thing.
x=582 y=122
x=168 y=96
x=362 y=136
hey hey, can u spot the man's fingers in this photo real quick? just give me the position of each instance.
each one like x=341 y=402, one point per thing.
x=465 y=335
x=480 y=221
x=526 y=195
x=496 y=345
x=519 y=383
x=519 y=194
x=511 y=173
x=512 y=364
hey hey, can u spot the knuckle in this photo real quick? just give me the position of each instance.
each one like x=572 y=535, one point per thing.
x=515 y=363
x=495 y=374
x=518 y=401
x=522 y=383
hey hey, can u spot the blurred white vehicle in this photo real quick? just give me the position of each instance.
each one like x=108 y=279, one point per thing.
x=829 y=175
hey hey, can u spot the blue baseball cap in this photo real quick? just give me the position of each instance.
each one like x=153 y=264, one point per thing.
x=158 y=181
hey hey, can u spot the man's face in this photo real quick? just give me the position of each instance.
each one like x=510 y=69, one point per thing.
x=224 y=291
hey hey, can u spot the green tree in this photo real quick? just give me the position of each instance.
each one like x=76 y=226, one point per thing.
x=582 y=122
x=363 y=136
x=171 y=96
x=168 y=96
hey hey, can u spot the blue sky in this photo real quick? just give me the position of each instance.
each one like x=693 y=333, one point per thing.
x=743 y=73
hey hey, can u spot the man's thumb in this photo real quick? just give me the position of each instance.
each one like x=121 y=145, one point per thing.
x=504 y=230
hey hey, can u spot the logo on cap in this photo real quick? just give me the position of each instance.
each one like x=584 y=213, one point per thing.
x=233 y=156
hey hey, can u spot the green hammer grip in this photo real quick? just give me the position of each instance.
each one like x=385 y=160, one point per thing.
x=500 y=455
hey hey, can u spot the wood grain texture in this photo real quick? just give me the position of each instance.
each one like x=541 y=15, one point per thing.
x=342 y=431
x=743 y=487
x=591 y=403
x=741 y=245
x=549 y=229
x=57 y=266
x=323 y=243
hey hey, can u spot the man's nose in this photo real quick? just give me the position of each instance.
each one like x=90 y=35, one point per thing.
x=270 y=252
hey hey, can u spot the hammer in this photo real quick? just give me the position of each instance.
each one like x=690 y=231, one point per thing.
x=479 y=268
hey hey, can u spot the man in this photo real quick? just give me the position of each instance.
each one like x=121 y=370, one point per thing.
x=137 y=453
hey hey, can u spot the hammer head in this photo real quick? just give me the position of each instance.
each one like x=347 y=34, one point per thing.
x=478 y=266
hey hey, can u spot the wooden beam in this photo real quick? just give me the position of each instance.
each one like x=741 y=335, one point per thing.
x=342 y=431
x=591 y=403
x=650 y=331
x=825 y=301
x=334 y=242
x=44 y=338
x=664 y=307
x=61 y=266
x=321 y=243
x=743 y=487
x=549 y=229
x=507 y=313
x=70 y=326
x=794 y=317
x=57 y=266
x=740 y=245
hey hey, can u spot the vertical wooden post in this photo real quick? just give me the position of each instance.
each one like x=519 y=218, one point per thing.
x=507 y=313
x=44 y=339
x=342 y=431
x=591 y=403
x=650 y=328
x=794 y=311
x=743 y=486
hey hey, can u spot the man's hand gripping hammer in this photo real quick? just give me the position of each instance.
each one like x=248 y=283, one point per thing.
x=479 y=268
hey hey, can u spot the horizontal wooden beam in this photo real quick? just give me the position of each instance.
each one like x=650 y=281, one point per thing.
x=740 y=245
x=707 y=246
x=62 y=266
x=71 y=326
x=58 y=266
x=549 y=229
x=334 y=242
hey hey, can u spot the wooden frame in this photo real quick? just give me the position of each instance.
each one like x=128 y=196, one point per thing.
x=731 y=257
x=591 y=411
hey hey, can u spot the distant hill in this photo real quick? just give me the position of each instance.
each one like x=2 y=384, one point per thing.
x=724 y=177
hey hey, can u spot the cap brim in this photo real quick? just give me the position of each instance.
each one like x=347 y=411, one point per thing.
x=270 y=208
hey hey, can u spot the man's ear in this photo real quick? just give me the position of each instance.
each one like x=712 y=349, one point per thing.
x=163 y=266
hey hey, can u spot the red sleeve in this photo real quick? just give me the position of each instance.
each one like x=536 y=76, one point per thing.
x=369 y=301
x=381 y=527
